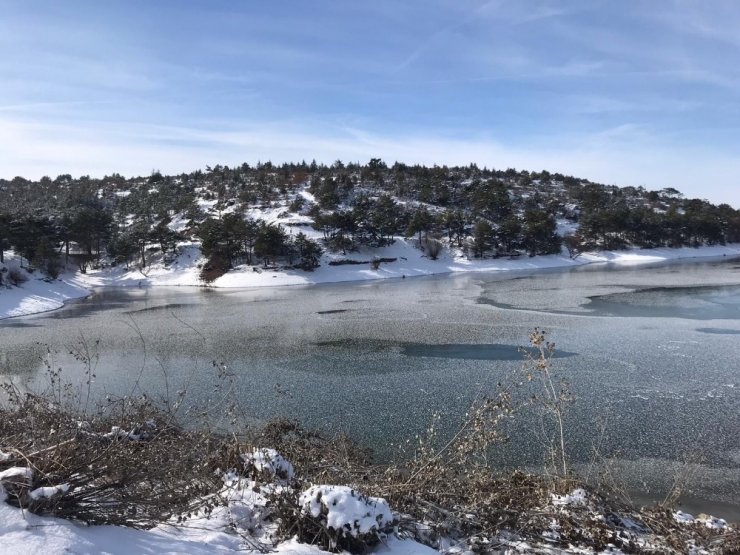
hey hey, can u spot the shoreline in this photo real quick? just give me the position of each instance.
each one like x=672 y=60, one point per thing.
x=38 y=296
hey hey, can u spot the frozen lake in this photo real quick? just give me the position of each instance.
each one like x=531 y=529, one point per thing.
x=652 y=355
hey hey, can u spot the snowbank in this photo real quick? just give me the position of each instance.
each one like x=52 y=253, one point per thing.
x=410 y=261
x=38 y=293
x=24 y=532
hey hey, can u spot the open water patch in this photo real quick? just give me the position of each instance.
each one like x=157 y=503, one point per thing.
x=13 y=322
x=693 y=303
x=489 y=351
x=359 y=344
x=704 y=302
x=76 y=308
x=460 y=351
x=171 y=306
x=719 y=331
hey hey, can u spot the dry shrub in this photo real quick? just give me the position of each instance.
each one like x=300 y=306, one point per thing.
x=433 y=247
x=136 y=469
x=316 y=457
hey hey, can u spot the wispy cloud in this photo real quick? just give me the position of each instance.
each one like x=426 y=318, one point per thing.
x=597 y=104
x=434 y=38
x=716 y=23
x=45 y=106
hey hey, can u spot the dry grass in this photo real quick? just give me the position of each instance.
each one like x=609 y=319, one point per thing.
x=134 y=470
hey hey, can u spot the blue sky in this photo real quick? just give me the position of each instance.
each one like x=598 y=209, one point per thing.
x=630 y=93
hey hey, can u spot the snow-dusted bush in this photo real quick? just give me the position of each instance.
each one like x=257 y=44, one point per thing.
x=269 y=463
x=433 y=247
x=16 y=476
x=346 y=518
x=17 y=276
x=16 y=482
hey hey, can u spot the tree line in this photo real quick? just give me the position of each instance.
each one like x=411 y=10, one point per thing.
x=486 y=212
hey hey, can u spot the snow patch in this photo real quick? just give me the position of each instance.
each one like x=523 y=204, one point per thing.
x=709 y=521
x=683 y=518
x=38 y=293
x=16 y=472
x=48 y=491
x=576 y=498
x=712 y=522
x=119 y=434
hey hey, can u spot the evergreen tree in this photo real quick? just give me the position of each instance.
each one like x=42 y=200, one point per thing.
x=5 y=235
x=309 y=252
x=454 y=221
x=539 y=233
x=482 y=238
x=384 y=219
x=421 y=222
x=270 y=242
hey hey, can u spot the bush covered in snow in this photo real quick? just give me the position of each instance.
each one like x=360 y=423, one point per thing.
x=343 y=518
x=268 y=463
x=16 y=276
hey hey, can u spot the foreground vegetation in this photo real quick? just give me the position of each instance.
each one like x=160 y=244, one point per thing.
x=128 y=461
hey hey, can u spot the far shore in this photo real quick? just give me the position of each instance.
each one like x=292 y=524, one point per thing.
x=39 y=296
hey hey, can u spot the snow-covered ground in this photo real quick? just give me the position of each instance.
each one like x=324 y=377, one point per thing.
x=38 y=295
x=410 y=262
x=23 y=532
x=230 y=527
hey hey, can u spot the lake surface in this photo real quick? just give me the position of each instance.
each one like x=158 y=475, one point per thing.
x=652 y=355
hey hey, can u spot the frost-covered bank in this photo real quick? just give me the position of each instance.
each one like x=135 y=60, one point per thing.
x=403 y=259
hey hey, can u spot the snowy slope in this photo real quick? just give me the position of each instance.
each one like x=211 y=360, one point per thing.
x=38 y=294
